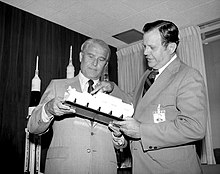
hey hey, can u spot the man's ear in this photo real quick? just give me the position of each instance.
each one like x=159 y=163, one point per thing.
x=80 y=56
x=106 y=65
x=171 y=47
x=104 y=68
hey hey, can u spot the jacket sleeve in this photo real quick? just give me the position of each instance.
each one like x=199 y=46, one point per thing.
x=117 y=92
x=35 y=123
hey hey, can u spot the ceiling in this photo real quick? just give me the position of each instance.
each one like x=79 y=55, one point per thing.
x=105 y=18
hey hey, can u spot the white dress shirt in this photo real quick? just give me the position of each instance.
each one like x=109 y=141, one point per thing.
x=161 y=69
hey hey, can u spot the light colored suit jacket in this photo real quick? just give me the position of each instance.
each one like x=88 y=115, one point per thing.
x=76 y=146
x=167 y=147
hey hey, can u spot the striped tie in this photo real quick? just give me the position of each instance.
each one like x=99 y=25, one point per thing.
x=150 y=78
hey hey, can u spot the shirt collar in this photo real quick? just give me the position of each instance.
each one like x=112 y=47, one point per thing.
x=161 y=69
x=83 y=82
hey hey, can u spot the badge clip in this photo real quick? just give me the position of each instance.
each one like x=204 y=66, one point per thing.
x=159 y=115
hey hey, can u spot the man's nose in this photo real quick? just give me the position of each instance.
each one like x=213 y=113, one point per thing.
x=146 y=51
x=95 y=62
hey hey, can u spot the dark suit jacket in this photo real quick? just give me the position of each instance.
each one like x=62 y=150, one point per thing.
x=167 y=147
x=76 y=147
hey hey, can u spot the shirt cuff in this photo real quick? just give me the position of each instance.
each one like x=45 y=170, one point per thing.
x=118 y=141
x=44 y=116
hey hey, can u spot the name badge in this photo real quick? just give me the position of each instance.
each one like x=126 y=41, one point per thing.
x=159 y=115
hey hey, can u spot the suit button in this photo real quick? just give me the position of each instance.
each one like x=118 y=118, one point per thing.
x=92 y=133
x=150 y=147
x=88 y=150
x=155 y=147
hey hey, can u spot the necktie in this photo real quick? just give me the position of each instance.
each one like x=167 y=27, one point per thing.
x=90 y=88
x=153 y=75
x=150 y=80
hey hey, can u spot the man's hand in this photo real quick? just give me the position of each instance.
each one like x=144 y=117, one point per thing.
x=103 y=86
x=56 y=107
x=114 y=129
x=129 y=127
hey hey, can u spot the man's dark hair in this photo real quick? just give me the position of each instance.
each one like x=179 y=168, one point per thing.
x=169 y=31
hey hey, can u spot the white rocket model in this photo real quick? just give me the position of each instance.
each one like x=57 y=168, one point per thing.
x=70 y=70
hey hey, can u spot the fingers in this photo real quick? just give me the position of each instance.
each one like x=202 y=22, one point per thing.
x=65 y=109
x=62 y=106
x=72 y=110
x=103 y=86
x=108 y=86
x=57 y=108
x=116 y=130
x=113 y=127
x=98 y=88
x=125 y=125
x=119 y=123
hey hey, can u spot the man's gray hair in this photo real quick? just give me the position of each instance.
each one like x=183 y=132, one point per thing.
x=105 y=46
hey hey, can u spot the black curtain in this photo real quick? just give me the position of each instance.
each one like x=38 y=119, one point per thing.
x=23 y=37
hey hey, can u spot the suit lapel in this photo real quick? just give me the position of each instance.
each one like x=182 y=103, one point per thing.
x=74 y=83
x=162 y=81
x=139 y=88
x=157 y=86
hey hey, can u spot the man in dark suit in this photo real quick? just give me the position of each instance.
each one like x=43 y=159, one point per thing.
x=171 y=115
x=78 y=145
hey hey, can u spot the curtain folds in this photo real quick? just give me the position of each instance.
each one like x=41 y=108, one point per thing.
x=23 y=37
x=190 y=51
x=131 y=65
